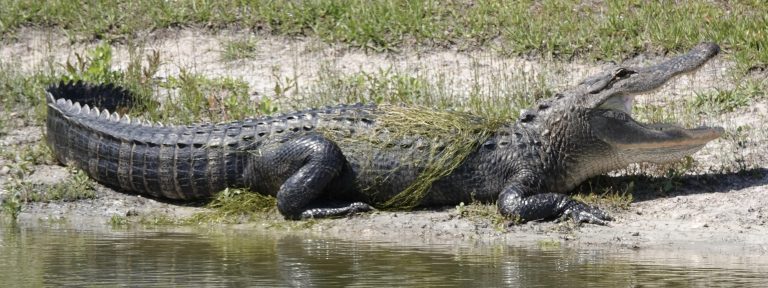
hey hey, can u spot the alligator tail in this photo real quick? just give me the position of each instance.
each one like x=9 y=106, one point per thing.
x=173 y=162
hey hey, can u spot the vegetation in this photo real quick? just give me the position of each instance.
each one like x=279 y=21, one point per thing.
x=458 y=133
x=477 y=211
x=236 y=205
x=599 y=30
x=238 y=49
x=230 y=206
x=728 y=100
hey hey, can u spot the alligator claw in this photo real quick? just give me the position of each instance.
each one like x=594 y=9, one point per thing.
x=583 y=213
x=352 y=208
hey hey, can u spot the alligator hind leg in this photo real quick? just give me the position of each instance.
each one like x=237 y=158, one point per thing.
x=313 y=163
x=513 y=202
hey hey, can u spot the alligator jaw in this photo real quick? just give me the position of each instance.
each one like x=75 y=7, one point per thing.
x=670 y=136
x=657 y=143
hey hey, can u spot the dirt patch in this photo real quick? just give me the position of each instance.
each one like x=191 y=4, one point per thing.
x=730 y=214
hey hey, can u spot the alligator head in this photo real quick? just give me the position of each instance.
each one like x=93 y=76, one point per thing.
x=590 y=129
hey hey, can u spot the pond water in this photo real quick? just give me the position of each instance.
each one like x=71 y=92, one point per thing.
x=55 y=256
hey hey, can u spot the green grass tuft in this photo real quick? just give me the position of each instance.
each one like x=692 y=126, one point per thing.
x=238 y=49
x=235 y=206
x=477 y=211
x=78 y=187
x=728 y=100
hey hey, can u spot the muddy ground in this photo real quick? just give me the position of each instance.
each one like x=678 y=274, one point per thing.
x=716 y=209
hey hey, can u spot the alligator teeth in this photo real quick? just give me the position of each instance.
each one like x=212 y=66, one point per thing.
x=114 y=117
x=87 y=108
x=61 y=102
x=125 y=119
x=104 y=114
x=69 y=102
x=75 y=108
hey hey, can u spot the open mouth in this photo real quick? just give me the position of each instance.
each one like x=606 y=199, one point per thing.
x=620 y=130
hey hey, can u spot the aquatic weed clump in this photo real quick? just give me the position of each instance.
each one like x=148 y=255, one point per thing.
x=446 y=137
x=231 y=205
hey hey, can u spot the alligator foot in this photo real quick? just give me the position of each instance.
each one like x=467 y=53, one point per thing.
x=515 y=204
x=352 y=208
x=583 y=213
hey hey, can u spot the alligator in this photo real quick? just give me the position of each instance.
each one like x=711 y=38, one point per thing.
x=526 y=165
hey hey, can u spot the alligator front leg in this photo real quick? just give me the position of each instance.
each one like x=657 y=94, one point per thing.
x=514 y=202
x=314 y=163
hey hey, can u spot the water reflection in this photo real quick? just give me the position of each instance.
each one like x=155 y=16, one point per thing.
x=62 y=257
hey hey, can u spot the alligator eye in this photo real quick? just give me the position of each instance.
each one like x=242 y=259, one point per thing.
x=623 y=73
x=489 y=145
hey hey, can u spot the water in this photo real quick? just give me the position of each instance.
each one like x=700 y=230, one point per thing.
x=50 y=256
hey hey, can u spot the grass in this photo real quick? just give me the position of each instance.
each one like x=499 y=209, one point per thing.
x=728 y=100
x=238 y=49
x=477 y=211
x=230 y=206
x=23 y=90
x=235 y=206
x=608 y=196
x=609 y=30
x=78 y=186
x=491 y=94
